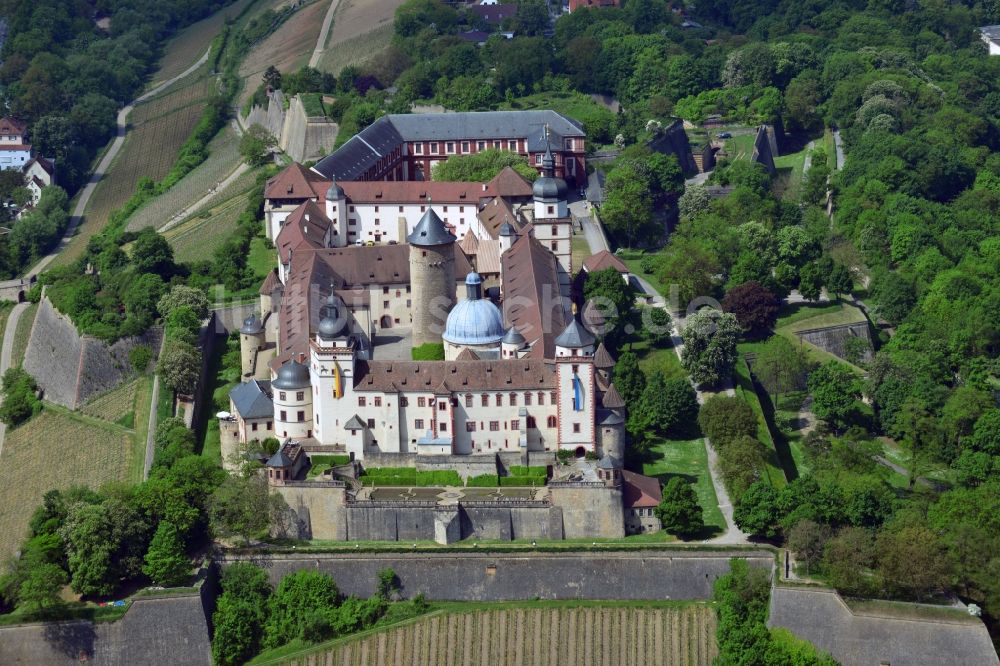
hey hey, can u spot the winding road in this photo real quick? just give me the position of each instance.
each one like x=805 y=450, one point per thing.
x=324 y=32
x=84 y=198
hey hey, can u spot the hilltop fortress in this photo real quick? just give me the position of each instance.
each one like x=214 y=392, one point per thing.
x=369 y=271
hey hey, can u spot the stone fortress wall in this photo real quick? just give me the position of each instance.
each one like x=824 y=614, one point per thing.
x=679 y=573
x=72 y=368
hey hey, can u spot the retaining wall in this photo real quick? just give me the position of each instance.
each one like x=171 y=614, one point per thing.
x=834 y=338
x=475 y=576
x=71 y=368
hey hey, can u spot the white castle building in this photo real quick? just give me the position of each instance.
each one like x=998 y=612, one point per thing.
x=521 y=373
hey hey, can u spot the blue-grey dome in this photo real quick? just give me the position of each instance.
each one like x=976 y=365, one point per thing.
x=474 y=321
x=252 y=325
x=292 y=375
x=334 y=192
x=514 y=337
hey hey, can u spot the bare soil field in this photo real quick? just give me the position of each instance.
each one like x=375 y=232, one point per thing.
x=531 y=636
x=288 y=48
x=157 y=130
x=184 y=49
x=55 y=449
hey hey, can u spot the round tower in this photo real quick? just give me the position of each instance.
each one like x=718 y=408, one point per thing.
x=512 y=343
x=611 y=424
x=432 y=277
x=292 y=396
x=251 y=341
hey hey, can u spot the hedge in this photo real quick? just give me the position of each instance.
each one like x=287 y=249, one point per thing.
x=521 y=470
x=521 y=481
x=331 y=460
x=483 y=481
x=401 y=476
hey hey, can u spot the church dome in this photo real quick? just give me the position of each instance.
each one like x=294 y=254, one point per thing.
x=292 y=375
x=549 y=188
x=474 y=321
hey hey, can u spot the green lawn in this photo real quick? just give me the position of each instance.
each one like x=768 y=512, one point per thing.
x=663 y=359
x=740 y=146
x=633 y=259
x=790 y=173
x=688 y=459
x=779 y=458
x=262 y=258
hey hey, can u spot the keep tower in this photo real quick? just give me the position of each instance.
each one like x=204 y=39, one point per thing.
x=432 y=277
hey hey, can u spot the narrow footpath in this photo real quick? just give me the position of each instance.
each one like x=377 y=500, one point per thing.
x=7 y=352
x=324 y=33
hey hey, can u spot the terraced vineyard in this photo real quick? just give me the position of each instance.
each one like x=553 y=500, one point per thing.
x=115 y=405
x=198 y=237
x=223 y=158
x=158 y=128
x=534 y=636
x=184 y=49
x=55 y=450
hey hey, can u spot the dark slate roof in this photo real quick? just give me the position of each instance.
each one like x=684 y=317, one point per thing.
x=609 y=462
x=513 y=337
x=361 y=151
x=595 y=187
x=252 y=325
x=856 y=638
x=485 y=125
x=292 y=375
x=354 y=423
x=608 y=417
x=280 y=459
x=494 y=14
x=252 y=399
x=575 y=336
x=603 y=358
x=612 y=398
x=430 y=230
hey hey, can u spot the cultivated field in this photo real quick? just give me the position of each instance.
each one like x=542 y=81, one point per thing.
x=224 y=157
x=55 y=449
x=197 y=238
x=157 y=130
x=361 y=29
x=189 y=45
x=357 y=49
x=115 y=405
x=288 y=48
x=603 y=635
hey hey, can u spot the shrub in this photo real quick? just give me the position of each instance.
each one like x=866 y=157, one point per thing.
x=724 y=418
x=506 y=481
x=139 y=358
x=20 y=400
x=430 y=351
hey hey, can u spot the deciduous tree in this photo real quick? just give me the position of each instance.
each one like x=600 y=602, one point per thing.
x=755 y=307
x=710 y=339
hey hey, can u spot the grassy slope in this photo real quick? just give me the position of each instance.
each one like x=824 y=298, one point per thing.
x=22 y=333
x=689 y=460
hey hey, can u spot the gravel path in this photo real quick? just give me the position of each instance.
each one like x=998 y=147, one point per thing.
x=102 y=167
x=7 y=351
x=838 y=145
x=323 y=34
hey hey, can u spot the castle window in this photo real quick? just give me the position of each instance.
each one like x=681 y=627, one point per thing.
x=418 y=424
x=553 y=398
x=541 y=398
x=378 y=401
x=281 y=395
x=485 y=400
x=552 y=211
x=361 y=401
x=352 y=209
x=433 y=147
x=397 y=293
x=551 y=422
x=513 y=400
x=352 y=223
x=480 y=145
x=527 y=398
x=400 y=209
x=465 y=146
x=442 y=406
x=418 y=148
x=576 y=369
x=496 y=144
x=554 y=246
x=385 y=305
x=253 y=426
x=515 y=424
x=470 y=426
x=449 y=147
x=269 y=425
x=421 y=402
x=531 y=422
x=555 y=229
x=385 y=290
x=512 y=145
x=499 y=400
x=301 y=416
x=494 y=426
x=576 y=427
x=300 y=395
x=371 y=424
x=468 y=400
x=283 y=415
x=444 y=427
x=376 y=209
x=404 y=402
x=444 y=209
x=538 y=159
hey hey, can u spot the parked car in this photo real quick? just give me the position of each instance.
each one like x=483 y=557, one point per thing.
x=392 y=242
x=725 y=135
x=359 y=243
x=370 y=243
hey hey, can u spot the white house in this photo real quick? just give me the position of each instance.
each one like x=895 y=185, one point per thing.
x=15 y=151
x=991 y=35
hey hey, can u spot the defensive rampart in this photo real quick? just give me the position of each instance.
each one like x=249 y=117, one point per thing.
x=476 y=576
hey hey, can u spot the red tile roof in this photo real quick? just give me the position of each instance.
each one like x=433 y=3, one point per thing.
x=9 y=125
x=296 y=182
x=603 y=260
x=532 y=302
x=509 y=183
x=415 y=191
x=307 y=225
x=640 y=492
x=455 y=376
